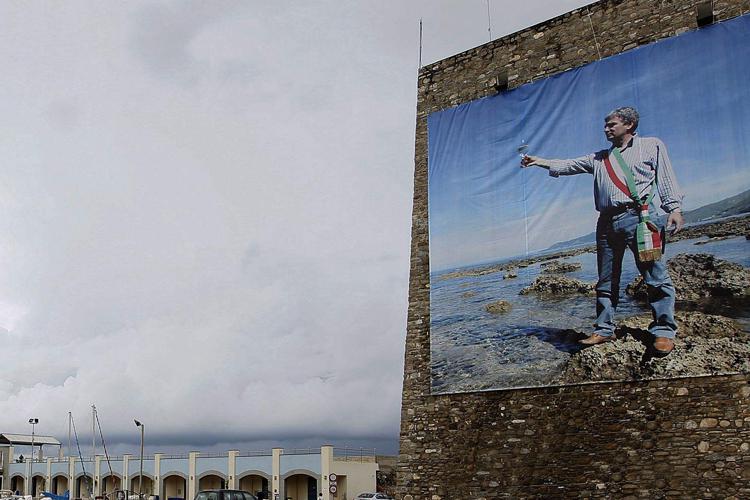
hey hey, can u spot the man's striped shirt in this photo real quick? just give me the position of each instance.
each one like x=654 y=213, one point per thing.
x=646 y=156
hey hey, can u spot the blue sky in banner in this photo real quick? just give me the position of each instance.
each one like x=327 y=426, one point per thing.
x=691 y=91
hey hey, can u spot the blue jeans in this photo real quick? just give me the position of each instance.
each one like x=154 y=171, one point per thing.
x=613 y=235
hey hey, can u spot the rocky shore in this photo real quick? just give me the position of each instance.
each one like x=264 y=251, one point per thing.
x=706 y=344
x=530 y=339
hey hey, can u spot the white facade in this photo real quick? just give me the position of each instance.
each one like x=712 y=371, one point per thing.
x=285 y=474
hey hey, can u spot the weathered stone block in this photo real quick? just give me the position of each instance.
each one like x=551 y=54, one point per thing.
x=708 y=423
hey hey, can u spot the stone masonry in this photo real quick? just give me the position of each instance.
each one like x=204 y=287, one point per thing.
x=682 y=438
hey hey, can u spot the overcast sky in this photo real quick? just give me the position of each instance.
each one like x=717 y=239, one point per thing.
x=206 y=212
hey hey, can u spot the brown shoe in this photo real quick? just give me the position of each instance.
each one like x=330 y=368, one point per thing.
x=663 y=345
x=596 y=339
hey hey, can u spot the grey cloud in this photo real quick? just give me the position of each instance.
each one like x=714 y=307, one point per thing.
x=238 y=71
x=162 y=33
x=63 y=114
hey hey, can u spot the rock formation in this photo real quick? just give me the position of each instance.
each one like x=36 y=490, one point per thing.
x=697 y=276
x=499 y=307
x=558 y=267
x=558 y=285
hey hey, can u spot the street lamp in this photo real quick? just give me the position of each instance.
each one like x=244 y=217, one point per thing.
x=33 y=422
x=140 y=477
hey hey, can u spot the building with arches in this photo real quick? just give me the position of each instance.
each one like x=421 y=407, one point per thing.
x=283 y=473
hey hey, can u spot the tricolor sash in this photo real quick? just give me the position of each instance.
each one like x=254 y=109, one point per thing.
x=648 y=236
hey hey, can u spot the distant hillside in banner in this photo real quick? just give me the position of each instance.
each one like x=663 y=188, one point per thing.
x=734 y=205
x=586 y=239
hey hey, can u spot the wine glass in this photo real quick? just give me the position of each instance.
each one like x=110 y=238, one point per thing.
x=523 y=149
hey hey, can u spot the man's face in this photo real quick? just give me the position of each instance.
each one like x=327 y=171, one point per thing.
x=615 y=129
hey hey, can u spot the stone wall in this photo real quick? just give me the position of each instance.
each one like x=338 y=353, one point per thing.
x=682 y=438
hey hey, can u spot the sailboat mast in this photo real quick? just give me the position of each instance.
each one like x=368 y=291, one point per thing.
x=93 y=431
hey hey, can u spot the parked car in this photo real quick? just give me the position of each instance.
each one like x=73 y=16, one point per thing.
x=373 y=496
x=224 y=495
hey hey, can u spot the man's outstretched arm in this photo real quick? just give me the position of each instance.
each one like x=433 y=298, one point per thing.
x=582 y=165
x=531 y=161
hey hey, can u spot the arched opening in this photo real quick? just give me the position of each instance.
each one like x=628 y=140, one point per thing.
x=148 y=484
x=38 y=484
x=254 y=483
x=174 y=487
x=18 y=483
x=111 y=483
x=301 y=487
x=60 y=484
x=85 y=486
x=211 y=481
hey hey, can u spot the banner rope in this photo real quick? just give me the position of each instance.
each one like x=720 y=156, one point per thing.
x=599 y=53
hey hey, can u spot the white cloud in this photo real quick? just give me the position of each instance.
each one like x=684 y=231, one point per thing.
x=206 y=213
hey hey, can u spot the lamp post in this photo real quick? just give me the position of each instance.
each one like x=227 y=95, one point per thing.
x=140 y=476
x=33 y=422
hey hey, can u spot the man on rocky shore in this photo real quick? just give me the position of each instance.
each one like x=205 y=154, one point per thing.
x=625 y=178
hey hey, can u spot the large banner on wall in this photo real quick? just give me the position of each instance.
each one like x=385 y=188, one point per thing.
x=523 y=267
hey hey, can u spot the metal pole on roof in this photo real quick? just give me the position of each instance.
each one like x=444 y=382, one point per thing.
x=489 y=20
x=140 y=477
x=420 y=43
